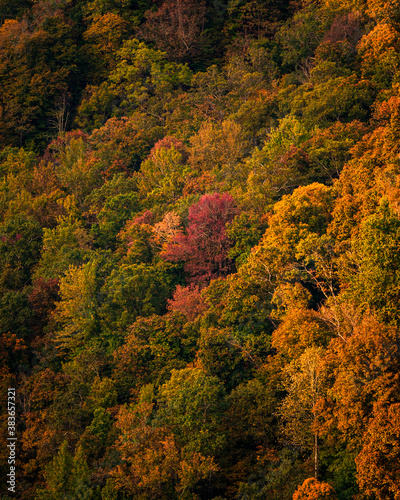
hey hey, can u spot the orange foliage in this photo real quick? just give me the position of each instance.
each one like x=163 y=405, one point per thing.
x=312 y=489
x=363 y=369
x=378 y=469
x=153 y=462
x=166 y=230
x=301 y=329
x=371 y=174
x=103 y=37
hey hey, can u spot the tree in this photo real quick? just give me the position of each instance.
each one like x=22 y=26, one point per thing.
x=43 y=298
x=103 y=38
x=67 y=477
x=270 y=173
x=121 y=144
x=360 y=371
x=20 y=243
x=380 y=52
x=74 y=165
x=116 y=211
x=167 y=229
x=191 y=403
x=68 y=244
x=218 y=148
x=13 y=9
x=175 y=27
x=300 y=36
x=330 y=97
x=204 y=248
x=297 y=218
x=153 y=347
x=133 y=290
x=301 y=328
x=255 y=19
x=304 y=386
x=188 y=301
x=312 y=489
x=76 y=312
x=377 y=463
x=39 y=66
x=44 y=418
x=161 y=178
x=375 y=282
x=154 y=465
x=140 y=74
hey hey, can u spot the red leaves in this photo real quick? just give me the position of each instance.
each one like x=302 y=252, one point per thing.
x=204 y=248
x=188 y=301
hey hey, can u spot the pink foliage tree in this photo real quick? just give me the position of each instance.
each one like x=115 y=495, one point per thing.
x=204 y=248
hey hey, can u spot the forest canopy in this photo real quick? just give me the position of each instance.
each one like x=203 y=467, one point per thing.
x=199 y=249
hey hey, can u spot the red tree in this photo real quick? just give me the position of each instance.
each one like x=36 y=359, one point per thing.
x=188 y=301
x=204 y=248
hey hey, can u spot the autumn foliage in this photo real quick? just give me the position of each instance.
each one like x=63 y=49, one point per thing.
x=199 y=249
x=312 y=489
x=204 y=247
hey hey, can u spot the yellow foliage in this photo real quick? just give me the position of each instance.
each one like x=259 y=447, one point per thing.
x=76 y=310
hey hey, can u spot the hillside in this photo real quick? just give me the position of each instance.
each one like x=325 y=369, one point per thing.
x=200 y=249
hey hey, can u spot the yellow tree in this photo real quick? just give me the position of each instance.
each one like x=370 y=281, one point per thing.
x=304 y=384
x=76 y=312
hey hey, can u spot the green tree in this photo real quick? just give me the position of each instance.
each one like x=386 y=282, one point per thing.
x=39 y=68
x=191 y=403
x=374 y=265
x=67 y=477
x=68 y=244
x=140 y=74
x=304 y=385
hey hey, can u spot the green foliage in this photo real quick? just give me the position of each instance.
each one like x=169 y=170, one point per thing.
x=135 y=290
x=162 y=177
x=270 y=174
x=245 y=231
x=115 y=212
x=20 y=243
x=343 y=98
x=277 y=480
x=68 y=244
x=76 y=311
x=67 y=477
x=141 y=73
x=38 y=68
x=375 y=282
x=301 y=34
x=152 y=348
x=191 y=403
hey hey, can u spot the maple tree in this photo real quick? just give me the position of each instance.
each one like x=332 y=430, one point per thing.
x=204 y=248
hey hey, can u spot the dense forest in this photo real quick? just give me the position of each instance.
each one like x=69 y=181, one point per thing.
x=200 y=249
